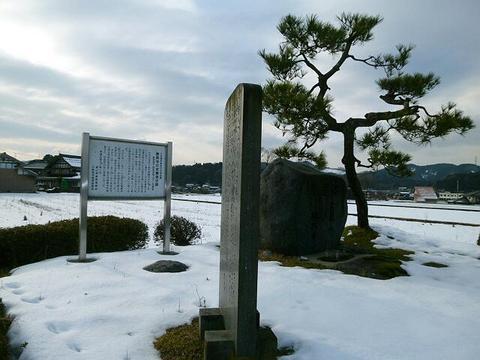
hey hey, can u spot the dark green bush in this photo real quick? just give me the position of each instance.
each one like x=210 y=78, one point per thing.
x=5 y=322
x=31 y=243
x=182 y=231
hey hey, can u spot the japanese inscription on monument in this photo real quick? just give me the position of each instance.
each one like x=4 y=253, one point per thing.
x=240 y=222
x=232 y=330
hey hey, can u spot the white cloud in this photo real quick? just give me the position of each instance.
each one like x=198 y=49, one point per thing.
x=162 y=70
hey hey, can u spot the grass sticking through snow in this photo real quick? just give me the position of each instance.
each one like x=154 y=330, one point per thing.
x=380 y=264
x=181 y=343
x=289 y=261
x=434 y=264
x=375 y=263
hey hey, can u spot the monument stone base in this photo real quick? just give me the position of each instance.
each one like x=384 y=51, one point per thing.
x=86 y=260
x=219 y=343
x=161 y=252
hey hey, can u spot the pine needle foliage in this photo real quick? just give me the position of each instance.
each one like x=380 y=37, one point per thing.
x=303 y=110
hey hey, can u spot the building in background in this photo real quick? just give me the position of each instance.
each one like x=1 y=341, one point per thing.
x=473 y=197
x=450 y=196
x=39 y=167
x=14 y=177
x=425 y=194
x=8 y=162
x=469 y=198
x=62 y=175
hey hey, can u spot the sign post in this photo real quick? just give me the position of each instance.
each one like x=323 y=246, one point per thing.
x=168 y=202
x=120 y=169
x=82 y=254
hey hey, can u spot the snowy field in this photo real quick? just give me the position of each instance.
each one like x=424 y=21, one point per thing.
x=112 y=309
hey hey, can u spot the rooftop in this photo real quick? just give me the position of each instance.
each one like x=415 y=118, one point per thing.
x=72 y=160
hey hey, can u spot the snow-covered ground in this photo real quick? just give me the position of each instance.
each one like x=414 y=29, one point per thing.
x=470 y=215
x=41 y=208
x=112 y=309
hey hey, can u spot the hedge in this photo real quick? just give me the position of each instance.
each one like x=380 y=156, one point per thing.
x=183 y=232
x=31 y=243
x=5 y=322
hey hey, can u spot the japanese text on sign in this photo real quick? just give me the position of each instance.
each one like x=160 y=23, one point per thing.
x=126 y=169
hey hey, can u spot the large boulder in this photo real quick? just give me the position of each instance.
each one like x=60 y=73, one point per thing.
x=302 y=210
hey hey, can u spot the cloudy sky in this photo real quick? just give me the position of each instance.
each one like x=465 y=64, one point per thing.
x=162 y=70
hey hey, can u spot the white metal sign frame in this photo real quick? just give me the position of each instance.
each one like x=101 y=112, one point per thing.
x=85 y=196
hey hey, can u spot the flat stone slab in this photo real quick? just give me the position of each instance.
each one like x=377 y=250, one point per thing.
x=168 y=266
x=167 y=252
x=77 y=260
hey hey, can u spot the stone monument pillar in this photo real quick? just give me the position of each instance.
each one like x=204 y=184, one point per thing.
x=232 y=329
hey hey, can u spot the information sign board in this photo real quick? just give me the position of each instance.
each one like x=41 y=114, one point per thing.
x=120 y=169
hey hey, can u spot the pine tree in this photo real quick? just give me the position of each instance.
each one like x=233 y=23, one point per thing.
x=305 y=113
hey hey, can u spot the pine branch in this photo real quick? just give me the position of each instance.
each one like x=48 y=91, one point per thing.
x=305 y=115
x=311 y=66
x=388 y=62
x=342 y=59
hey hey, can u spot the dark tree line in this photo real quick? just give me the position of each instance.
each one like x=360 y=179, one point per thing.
x=200 y=174
x=465 y=182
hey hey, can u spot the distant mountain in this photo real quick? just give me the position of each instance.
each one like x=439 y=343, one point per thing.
x=437 y=172
x=466 y=182
x=442 y=176
x=423 y=175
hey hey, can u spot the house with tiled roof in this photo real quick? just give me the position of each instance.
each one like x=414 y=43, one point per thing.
x=39 y=167
x=8 y=162
x=425 y=194
x=13 y=177
x=62 y=174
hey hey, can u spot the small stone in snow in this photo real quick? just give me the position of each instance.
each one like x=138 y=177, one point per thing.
x=169 y=266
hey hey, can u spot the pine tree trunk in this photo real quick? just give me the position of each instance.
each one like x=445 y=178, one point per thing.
x=352 y=178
